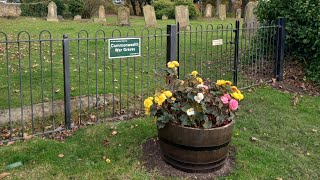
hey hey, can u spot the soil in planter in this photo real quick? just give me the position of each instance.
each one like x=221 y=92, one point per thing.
x=152 y=161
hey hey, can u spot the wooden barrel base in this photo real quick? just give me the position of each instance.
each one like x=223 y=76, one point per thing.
x=194 y=168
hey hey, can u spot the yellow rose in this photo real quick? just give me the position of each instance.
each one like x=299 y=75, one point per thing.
x=199 y=80
x=162 y=98
x=194 y=73
x=220 y=82
x=176 y=64
x=148 y=103
x=237 y=96
x=168 y=94
x=229 y=83
x=235 y=89
x=171 y=65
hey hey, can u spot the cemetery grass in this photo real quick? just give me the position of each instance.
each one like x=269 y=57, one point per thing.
x=273 y=139
x=131 y=75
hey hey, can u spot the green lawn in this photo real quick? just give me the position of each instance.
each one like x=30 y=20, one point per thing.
x=288 y=145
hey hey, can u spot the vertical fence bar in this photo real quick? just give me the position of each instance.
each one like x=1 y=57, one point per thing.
x=280 y=49
x=236 y=53
x=172 y=43
x=66 y=75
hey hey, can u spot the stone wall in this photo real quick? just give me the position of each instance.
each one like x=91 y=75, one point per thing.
x=10 y=10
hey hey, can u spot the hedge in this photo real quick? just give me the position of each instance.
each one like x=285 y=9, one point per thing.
x=34 y=9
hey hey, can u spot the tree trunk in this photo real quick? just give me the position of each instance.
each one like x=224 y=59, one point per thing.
x=133 y=4
x=243 y=7
x=230 y=6
x=141 y=6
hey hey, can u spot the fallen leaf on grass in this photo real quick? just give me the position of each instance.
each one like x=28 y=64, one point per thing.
x=114 y=132
x=3 y=175
x=314 y=130
x=106 y=142
x=254 y=139
x=295 y=100
x=61 y=155
x=108 y=161
x=279 y=178
x=27 y=137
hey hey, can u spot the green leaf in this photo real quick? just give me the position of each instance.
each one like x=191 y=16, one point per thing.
x=184 y=119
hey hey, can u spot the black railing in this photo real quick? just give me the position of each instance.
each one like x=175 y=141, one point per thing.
x=53 y=84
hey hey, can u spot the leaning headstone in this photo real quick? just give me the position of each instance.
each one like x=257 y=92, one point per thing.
x=102 y=15
x=208 y=11
x=77 y=18
x=52 y=12
x=182 y=16
x=222 y=12
x=250 y=19
x=164 y=17
x=149 y=16
x=238 y=14
x=123 y=16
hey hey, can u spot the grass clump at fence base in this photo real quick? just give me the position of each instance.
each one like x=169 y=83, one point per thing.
x=272 y=138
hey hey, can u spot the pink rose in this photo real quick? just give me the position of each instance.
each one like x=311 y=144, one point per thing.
x=233 y=105
x=227 y=96
x=206 y=87
x=224 y=100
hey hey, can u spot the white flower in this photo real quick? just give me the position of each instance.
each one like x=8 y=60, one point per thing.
x=190 y=112
x=200 y=86
x=199 y=97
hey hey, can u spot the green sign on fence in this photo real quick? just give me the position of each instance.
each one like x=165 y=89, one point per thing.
x=124 y=47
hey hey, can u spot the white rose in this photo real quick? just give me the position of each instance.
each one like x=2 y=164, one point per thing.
x=190 y=112
x=199 y=97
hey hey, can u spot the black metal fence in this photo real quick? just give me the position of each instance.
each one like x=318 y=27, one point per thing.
x=48 y=85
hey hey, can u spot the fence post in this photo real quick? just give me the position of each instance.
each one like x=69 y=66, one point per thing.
x=66 y=78
x=172 y=43
x=280 y=49
x=236 y=53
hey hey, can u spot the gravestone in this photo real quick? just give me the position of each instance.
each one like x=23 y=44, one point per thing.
x=182 y=16
x=238 y=14
x=164 y=17
x=102 y=15
x=208 y=11
x=250 y=19
x=222 y=12
x=52 y=12
x=77 y=18
x=123 y=16
x=149 y=16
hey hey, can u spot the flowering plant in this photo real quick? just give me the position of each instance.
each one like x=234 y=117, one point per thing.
x=193 y=102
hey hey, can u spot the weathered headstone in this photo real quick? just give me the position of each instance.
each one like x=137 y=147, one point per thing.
x=149 y=16
x=222 y=12
x=164 y=17
x=182 y=16
x=250 y=19
x=123 y=16
x=77 y=18
x=208 y=11
x=52 y=12
x=238 y=14
x=102 y=15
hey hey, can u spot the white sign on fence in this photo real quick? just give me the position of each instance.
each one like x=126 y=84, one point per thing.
x=217 y=42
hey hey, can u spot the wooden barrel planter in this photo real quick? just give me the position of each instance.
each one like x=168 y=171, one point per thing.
x=195 y=150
